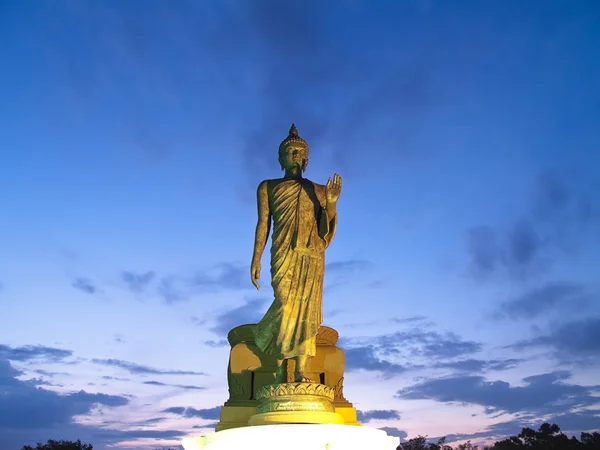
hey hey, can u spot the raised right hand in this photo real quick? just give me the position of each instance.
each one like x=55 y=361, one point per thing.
x=255 y=274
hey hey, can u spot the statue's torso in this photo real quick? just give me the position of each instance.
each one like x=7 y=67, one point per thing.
x=296 y=206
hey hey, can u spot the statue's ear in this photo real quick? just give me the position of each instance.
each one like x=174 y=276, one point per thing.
x=304 y=165
x=281 y=163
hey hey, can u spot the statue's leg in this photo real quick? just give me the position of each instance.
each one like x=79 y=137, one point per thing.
x=299 y=373
x=281 y=373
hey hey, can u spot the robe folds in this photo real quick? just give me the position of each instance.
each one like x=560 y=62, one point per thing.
x=301 y=233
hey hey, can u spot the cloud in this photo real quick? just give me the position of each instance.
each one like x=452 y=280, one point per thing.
x=424 y=347
x=140 y=369
x=180 y=386
x=353 y=265
x=392 y=431
x=343 y=273
x=137 y=282
x=368 y=358
x=85 y=285
x=37 y=353
x=575 y=341
x=377 y=414
x=427 y=343
x=554 y=220
x=25 y=406
x=208 y=414
x=478 y=365
x=542 y=394
x=30 y=413
x=220 y=277
x=551 y=297
x=223 y=276
x=217 y=344
x=405 y=320
x=251 y=311
x=483 y=249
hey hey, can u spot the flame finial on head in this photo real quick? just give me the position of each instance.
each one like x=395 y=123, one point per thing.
x=294 y=138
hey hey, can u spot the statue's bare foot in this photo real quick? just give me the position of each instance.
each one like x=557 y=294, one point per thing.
x=301 y=378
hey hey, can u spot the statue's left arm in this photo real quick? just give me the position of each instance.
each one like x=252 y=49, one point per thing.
x=328 y=222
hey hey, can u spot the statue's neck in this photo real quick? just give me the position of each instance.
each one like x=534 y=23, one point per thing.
x=294 y=173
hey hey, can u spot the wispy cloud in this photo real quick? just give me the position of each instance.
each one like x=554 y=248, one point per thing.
x=425 y=348
x=251 y=311
x=217 y=344
x=544 y=300
x=26 y=407
x=575 y=341
x=221 y=277
x=377 y=414
x=542 y=394
x=208 y=414
x=137 y=282
x=554 y=220
x=85 y=285
x=38 y=353
x=179 y=386
x=139 y=369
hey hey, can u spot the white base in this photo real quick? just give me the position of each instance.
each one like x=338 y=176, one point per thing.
x=295 y=437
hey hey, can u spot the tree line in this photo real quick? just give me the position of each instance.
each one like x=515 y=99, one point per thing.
x=547 y=437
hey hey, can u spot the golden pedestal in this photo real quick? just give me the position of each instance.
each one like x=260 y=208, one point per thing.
x=295 y=403
x=250 y=371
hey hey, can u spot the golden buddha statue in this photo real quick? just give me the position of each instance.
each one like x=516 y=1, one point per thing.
x=304 y=217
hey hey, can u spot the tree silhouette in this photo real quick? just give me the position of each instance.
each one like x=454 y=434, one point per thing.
x=60 y=445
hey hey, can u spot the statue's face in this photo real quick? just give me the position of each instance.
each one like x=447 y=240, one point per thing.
x=293 y=156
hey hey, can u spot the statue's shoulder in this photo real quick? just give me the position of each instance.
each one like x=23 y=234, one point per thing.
x=268 y=185
x=319 y=188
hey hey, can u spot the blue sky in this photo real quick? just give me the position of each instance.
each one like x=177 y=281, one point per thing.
x=464 y=277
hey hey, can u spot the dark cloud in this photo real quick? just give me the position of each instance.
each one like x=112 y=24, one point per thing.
x=552 y=195
x=405 y=320
x=37 y=353
x=251 y=311
x=483 y=249
x=140 y=369
x=554 y=220
x=106 y=377
x=478 y=365
x=422 y=346
x=377 y=414
x=551 y=297
x=392 y=431
x=217 y=344
x=208 y=414
x=576 y=341
x=542 y=394
x=427 y=343
x=524 y=244
x=137 y=282
x=85 y=285
x=26 y=406
x=368 y=358
x=179 y=386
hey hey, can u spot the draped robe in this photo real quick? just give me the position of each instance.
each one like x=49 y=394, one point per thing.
x=302 y=231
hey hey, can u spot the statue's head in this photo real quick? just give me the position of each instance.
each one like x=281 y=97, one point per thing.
x=293 y=151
